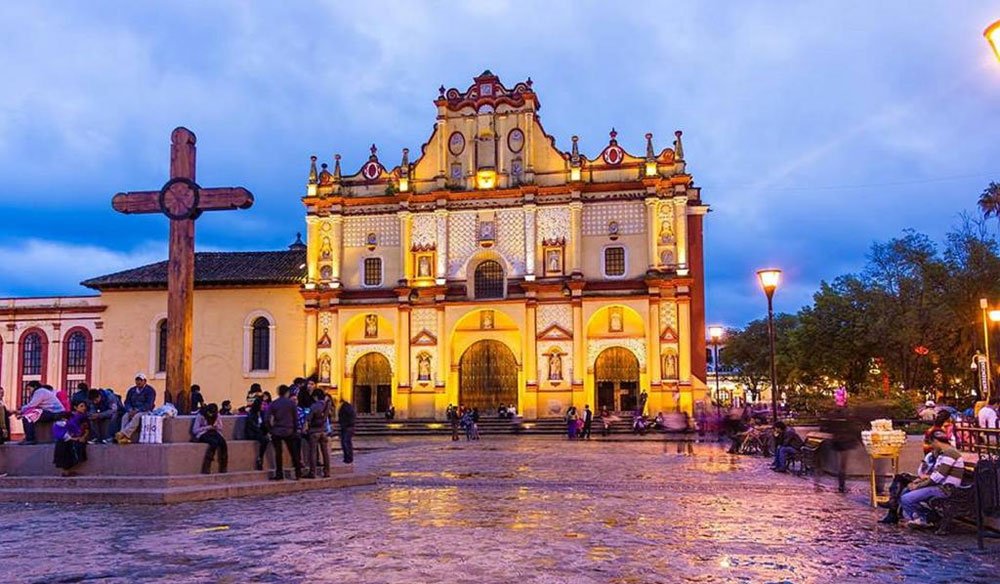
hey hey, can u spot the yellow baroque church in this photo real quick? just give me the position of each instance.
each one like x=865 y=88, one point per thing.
x=492 y=268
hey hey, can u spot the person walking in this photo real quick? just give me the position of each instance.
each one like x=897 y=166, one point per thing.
x=588 y=419
x=452 y=414
x=282 y=419
x=346 y=419
x=208 y=430
x=319 y=414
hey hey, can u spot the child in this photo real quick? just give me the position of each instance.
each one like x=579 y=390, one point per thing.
x=71 y=439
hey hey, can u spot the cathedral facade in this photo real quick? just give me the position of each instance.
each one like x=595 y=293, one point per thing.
x=489 y=267
x=493 y=268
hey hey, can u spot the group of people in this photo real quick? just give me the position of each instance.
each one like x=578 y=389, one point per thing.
x=465 y=418
x=578 y=424
x=301 y=420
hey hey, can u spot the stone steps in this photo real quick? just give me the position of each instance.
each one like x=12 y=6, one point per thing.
x=199 y=488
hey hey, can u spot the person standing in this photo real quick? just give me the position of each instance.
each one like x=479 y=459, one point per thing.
x=571 y=423
x=140 y=399
x=452 y=415
x=346 y=419
x=71 y=440
x=208 y=430
x=283 y=419
x=319 y=413
x=588 y=419
x=43 y=406
x=988 y=414
x=256 y=429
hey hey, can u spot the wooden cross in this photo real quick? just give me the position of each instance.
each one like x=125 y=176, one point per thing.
x=183 y=201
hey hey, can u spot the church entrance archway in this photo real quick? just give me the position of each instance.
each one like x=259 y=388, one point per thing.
x=487 y=375
x=616 y=377
x=372 y=384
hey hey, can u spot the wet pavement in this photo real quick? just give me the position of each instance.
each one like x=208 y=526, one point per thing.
x=502 y=510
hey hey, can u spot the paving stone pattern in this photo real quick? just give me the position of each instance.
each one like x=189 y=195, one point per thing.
x=502 y=510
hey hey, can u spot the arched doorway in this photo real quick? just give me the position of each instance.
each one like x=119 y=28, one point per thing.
x=487 y=376
x=372 y=384
x=616 y=377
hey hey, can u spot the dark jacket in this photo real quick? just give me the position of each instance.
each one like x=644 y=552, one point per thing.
x=142 y=400
x=283 y=417
x=319 y=413
x=255 y=427
x=105 y=410
x=346 y=415
x=588 y=416
x=790 y=438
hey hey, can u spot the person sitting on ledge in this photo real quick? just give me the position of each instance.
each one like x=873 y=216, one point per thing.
x=227 y=408
x=102 y=410
x=949 y=468
x=208 y=430
x=71 y=439
x=81 y=394
x=898 y=488
x=43 y=406
x=256 y=429
x=4 y=419
x=197 y=401
x=787 y=443
x=390 y=414
x=139 y=400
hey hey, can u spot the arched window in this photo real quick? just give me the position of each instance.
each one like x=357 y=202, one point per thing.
x=260 y=351
x=161 y=346
x=31 y=354
x=77 y=350
x=489 y=282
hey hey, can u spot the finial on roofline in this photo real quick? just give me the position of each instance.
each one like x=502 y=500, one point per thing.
x=313 y=177
x=614 y=135
x=441 y=91
x=336 y=167
x=404 y=166
x=574 y=156
x=678 y=146
x=650 y=154
x=374 y=156
x=298 y=243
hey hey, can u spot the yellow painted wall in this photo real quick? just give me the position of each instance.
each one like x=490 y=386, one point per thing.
x=219 y=317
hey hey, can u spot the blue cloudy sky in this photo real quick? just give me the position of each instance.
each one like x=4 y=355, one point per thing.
x=814 y=128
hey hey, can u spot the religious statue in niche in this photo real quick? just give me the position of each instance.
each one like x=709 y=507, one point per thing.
x=371 y=240
x=371 y=326
x=615 y=323
x=667 y=257
x=456 y=171
x=516 y=170
x=326 y=251
x=325 y=273
x=666 y=232
x=487 y=231
x=424 y=267
x=423 y=367
x=486 y=320
x=669 y=365
x=324 y=369
x=553 y=261
x=555 y=367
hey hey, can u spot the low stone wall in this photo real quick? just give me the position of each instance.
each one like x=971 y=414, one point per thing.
x=175 y=429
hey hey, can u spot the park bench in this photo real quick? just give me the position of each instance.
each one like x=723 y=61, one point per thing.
x=961 y=502
x=808 y=459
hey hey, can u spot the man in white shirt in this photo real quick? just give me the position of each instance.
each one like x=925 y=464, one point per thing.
x=43 y=406
x=988 y=413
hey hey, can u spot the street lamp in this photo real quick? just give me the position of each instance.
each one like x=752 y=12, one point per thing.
x=992 y=34
x=769 y=279
x=715 y=334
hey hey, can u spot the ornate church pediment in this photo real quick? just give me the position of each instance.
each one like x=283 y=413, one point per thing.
x=424 y=338
x=555 y=333
x=669 y=335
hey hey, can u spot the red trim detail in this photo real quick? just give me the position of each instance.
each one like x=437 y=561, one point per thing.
x=20 y=361
x=89 y=341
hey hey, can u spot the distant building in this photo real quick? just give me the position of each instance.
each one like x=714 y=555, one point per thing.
x=493 y=268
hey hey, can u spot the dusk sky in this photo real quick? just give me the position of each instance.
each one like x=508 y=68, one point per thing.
x=813 y=128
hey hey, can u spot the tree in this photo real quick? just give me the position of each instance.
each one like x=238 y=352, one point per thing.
x=989 y=201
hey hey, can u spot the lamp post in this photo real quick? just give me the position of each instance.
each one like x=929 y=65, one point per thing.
x=715 y=334
x=984 y=306
x=769 y=279
x=994 y=317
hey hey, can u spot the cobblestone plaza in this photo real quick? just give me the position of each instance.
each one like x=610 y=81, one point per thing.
x=502 y=510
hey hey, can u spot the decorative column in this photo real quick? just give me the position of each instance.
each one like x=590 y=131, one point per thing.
x=680 y=230
x=579 y=356
x=309 y=363
x=405 y=267
x=441 y=273
x=652 y=205
x=531 y=342
x=337 y=373
x=337 y=234
x=403 y=355
x=530 y=245
x=576 y=234
x=684 y=338
x=653 y=341
x=312 y=248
